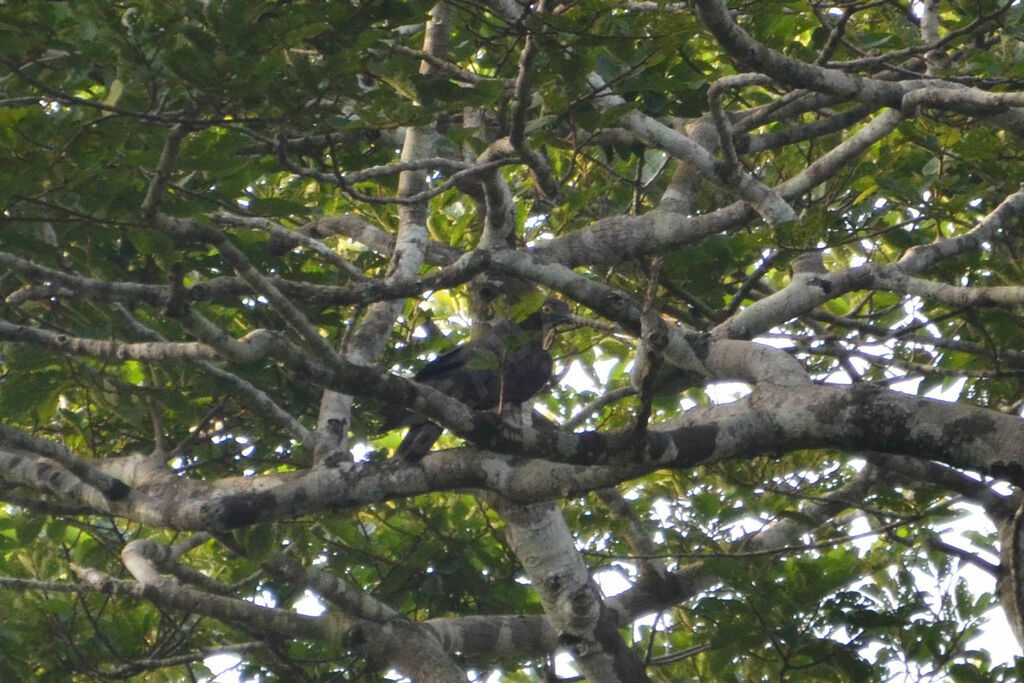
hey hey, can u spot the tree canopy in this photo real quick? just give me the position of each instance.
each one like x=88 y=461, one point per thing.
x=784 y=425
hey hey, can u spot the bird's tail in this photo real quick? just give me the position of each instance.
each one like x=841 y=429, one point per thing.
x=418 y=440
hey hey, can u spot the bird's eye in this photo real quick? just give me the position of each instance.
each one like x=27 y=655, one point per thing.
x=546 y=308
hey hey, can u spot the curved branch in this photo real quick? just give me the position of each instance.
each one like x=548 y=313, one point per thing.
x=807 y=291
x=766 y=202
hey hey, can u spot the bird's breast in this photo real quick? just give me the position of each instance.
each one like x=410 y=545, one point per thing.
x=525 y=376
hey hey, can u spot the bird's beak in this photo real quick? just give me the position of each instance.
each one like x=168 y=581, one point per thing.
x=549 y=338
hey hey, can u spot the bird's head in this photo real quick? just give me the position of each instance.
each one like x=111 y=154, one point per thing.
x=554 y=312
x=545 y=318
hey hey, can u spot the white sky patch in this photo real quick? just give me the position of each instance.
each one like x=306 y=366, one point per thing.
x=263 y=599
x=721 y=393
x=577 y=378
x=309 y=604
x=360 y=451
x=580 y=379
x=223 y=668
x=532 y=222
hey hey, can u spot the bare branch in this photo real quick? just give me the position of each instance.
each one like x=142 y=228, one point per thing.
x=771 y=206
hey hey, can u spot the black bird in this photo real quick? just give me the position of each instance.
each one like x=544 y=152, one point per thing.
x=506 y=366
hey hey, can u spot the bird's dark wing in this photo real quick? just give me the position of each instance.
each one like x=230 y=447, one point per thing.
x=447 y=361
x=437 y=373
x=451 y=373
x=506 y=366
x=470 y=372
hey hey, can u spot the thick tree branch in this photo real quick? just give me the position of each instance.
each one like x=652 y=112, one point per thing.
x=572 y=602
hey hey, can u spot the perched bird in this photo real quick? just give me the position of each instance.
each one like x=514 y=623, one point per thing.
x=506 y=366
